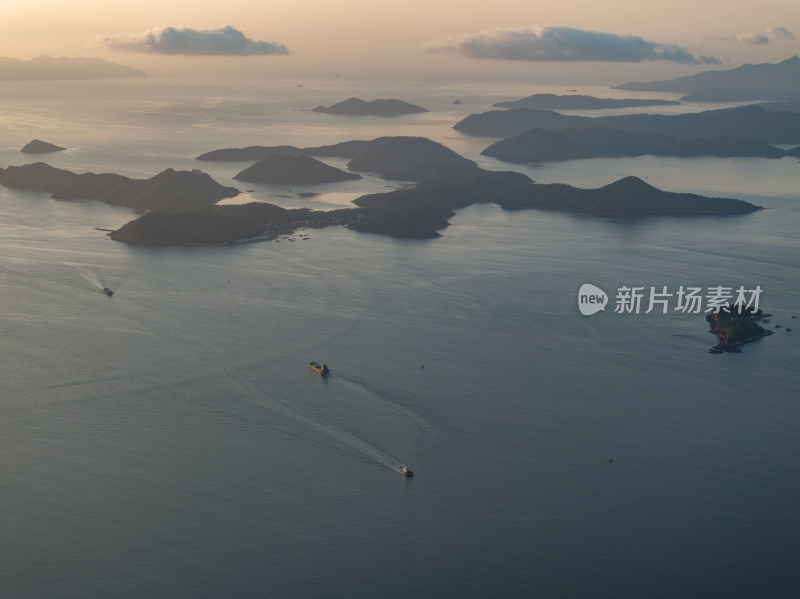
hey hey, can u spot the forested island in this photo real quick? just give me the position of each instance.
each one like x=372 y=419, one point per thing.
x=751 y=122
x=181 y=206
x=282 y=169
x=539 y=145
x=168 y=191
x=400 y=158
x=422 y=211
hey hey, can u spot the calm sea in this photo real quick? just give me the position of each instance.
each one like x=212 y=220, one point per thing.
x=171 y=442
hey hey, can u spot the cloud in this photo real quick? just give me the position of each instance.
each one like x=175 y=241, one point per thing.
x=563 y=44
x=770 y=34
x=225 y=41
x=752 y=38
x=780 y=33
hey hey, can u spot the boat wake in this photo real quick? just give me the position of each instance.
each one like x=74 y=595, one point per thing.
x=355 y=421
x=340 y=413
x=92 y=281
x=349 y=419
x=344 y=441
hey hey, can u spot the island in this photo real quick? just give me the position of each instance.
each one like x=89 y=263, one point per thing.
x=168 y=191
x=38 y=146
x=734 y=330
x=50 y=68
x=751 y=122
x=788 y=106
x=221 y=225
x=423 y=210
x=724 y=95
x=629 y=196
x=579 y=102
x=766 y=81
x=359 y=107
x=540 y=145
x=401 y=158
x=181 y=207
x=249 y=153
x=420 y=212
x=282 y=169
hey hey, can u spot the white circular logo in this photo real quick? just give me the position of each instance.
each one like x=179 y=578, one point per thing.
x=591 y=299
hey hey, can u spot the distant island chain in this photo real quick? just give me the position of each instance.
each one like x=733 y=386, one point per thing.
x=181 y=207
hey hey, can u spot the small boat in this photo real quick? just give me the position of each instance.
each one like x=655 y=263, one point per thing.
x=320 y=368
x=405 y=470
x=108 y=292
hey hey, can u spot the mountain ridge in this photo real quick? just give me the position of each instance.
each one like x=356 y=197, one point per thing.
x=768 y=81
x=58 y=68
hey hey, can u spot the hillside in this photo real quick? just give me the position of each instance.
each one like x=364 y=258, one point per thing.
x=282 y=169
x=539 y=145
x=748 y=82
x=168 y=191
x=50 y=68
x=579 y=102
x=751 y=122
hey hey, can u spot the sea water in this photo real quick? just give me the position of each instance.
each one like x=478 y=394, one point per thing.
x=171 y=441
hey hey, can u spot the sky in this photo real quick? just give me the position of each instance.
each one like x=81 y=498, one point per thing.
x=523 y=39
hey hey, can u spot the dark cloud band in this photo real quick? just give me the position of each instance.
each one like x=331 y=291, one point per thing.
x=549 y=44
x=225 y=41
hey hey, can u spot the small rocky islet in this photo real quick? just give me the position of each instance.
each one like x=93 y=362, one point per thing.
x=734 y=329
x=359 y=107
x=37 y=146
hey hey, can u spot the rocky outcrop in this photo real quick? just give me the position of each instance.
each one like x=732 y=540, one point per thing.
x=734 y=330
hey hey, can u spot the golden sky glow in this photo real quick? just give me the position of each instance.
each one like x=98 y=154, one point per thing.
x=353 y=34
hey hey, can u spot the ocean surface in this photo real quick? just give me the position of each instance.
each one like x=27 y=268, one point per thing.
x=171 y=442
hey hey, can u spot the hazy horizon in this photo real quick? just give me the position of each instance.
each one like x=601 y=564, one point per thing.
x=582 y=42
